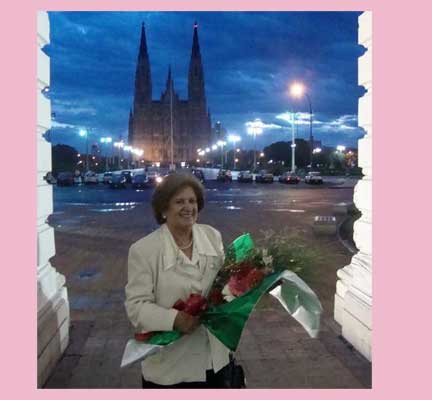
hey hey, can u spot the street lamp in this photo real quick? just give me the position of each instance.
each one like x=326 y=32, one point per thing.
x=106 y=140
x=128 y=150
x=255 y=128
x=119 y=146
x=138 y=153
x=221 y=144
x=83 y=133
x=234 y=139
x=298 y=90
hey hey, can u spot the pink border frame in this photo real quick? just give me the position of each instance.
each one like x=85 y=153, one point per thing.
x=397 y=372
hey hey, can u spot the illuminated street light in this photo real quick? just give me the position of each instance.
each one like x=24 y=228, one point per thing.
x=234 y=139
x=221 y=144
x=316 y=150
x=255 y=128
x=106 y=140
x=214 y=147
x=298 y=90
x=340 y=148
x=119 y=145
x=84 y=133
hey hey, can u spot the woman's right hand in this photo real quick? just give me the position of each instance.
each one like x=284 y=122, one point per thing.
x=185 y=323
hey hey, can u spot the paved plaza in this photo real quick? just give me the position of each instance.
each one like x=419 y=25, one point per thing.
x=94 y=228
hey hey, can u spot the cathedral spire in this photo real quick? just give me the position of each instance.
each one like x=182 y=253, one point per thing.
x=195 y=42
x=196 y=91
x=169 y=82
x=143 y=85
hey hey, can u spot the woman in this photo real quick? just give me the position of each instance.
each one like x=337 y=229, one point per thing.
x=179 y=258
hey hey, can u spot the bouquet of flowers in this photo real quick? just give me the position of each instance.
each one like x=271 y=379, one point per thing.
x=247 y=274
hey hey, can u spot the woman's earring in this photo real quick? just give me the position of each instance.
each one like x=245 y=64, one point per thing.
x=164 y=216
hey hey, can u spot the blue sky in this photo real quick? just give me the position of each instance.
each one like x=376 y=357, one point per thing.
x=249 y=60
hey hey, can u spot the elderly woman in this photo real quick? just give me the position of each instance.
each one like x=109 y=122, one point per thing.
x=179 y=258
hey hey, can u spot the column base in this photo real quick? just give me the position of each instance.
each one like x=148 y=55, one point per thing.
x=53 y=334
x=355 y=324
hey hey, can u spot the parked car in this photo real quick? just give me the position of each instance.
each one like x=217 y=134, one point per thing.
x=264 y=176
x=107 y=177
x=49 y=177
x=118 y=181
x=128 y=175
x=198 y=174
x=245 y=176
x=90 y=177
x=314 y=178
x=224 y=176
x=154 y=177
x=140 y=181
x=100 y=178
x=65 y=179
x=288 y=177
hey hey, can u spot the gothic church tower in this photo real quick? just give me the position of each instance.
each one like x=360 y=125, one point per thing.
x=154 y=122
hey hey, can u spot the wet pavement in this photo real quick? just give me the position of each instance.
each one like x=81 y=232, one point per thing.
x=94 y=228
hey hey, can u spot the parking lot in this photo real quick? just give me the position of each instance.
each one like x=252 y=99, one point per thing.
x=95 y=226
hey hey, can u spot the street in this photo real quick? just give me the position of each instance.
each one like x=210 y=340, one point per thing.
x=95 y=226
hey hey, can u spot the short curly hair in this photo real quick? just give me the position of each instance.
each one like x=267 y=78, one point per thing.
x=169 y=187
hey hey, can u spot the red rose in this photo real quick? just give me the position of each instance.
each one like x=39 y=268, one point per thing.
x=237 y=286
x=195 y=304
x=254 y=278
x=143 y=336
x=241 y=269
x=215 y=297
x=179 y=305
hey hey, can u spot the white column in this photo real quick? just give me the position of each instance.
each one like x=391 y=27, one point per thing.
x=53 y=305
x=353 y=299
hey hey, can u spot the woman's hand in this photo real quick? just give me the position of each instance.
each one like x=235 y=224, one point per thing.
x=185 y=323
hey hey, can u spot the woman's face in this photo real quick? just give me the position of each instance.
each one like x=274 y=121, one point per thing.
x=182 y=210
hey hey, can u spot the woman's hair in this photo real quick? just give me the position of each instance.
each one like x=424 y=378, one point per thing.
x=169 y=187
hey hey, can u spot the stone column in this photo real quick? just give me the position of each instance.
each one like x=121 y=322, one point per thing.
x=353 y=299
x=53 y=305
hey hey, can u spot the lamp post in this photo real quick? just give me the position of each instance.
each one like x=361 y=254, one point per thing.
x=119 y=146
x=255 y=128
x=234 y=139
x=341 y=149
x=221 y=144
x=106 y=140
x=298 y=90
x=82 y=133
x=293 y=143
x=128 y=149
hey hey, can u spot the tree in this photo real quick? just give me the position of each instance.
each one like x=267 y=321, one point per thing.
x=64 y=158
x=281 y=151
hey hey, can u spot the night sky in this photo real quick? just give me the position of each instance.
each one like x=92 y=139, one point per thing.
x=249 y=60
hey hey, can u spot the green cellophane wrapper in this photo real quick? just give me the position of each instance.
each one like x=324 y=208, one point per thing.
x=240 y=248
x=226 y=321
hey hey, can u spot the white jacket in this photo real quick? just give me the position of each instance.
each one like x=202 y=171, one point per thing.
x=159 y=274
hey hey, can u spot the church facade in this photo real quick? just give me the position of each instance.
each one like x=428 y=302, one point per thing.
x=153 y=123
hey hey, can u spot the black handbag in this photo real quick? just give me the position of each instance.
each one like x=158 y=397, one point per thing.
x=233 y=375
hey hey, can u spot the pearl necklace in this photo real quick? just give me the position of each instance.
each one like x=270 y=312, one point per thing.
x=186 y=247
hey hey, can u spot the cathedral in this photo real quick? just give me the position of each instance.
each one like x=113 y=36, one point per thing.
x=153 y=123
